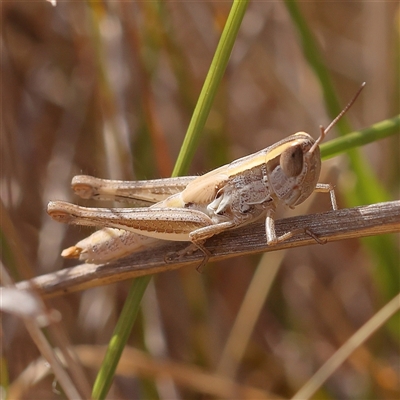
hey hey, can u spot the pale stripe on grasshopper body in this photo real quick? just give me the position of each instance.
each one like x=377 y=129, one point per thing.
x=193 y=209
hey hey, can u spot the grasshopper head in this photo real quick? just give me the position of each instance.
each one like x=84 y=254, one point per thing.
x=293 y=170
x=300 y=166
x=302 y=160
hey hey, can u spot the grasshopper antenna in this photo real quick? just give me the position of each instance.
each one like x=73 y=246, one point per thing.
x=324 y=131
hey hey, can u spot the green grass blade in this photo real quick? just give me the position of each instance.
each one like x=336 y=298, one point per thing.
x=128 y=315
x=367 y=189
x=316 y=62
x=212 y=81
x=359 y=138
x=119 y=338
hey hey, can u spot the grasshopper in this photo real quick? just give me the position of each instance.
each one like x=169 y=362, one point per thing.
x=194 y=208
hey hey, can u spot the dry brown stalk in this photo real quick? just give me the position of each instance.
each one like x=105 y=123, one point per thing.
x=331 y=226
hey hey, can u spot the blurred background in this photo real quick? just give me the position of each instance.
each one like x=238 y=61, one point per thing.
x=107 y=89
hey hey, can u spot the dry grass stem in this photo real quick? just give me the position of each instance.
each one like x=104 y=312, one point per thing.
x=138 y=363
x=331 y=226
x=344 y=352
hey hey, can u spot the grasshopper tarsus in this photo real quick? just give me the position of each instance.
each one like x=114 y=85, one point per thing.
x=172 y=256
x=204 y=261
x=274 y=240
x=201 y=267
x=310 y=233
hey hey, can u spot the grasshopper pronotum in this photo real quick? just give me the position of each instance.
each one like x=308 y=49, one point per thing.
x=194 y=208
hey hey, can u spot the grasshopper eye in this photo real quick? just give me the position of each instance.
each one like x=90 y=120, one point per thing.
x=291 y=161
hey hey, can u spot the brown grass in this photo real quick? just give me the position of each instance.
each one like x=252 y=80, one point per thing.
x=109 y=91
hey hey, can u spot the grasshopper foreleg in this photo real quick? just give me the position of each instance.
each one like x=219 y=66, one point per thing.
x=272 y=239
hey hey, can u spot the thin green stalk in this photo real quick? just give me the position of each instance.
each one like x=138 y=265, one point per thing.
x=119 y=337
x=351 y=344
x=362 y=137
x=316 y=62
x=367 y=188
x=128 y=315
x=213 y=79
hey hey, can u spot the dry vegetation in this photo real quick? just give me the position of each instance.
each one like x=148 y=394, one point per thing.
x=107 y=89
